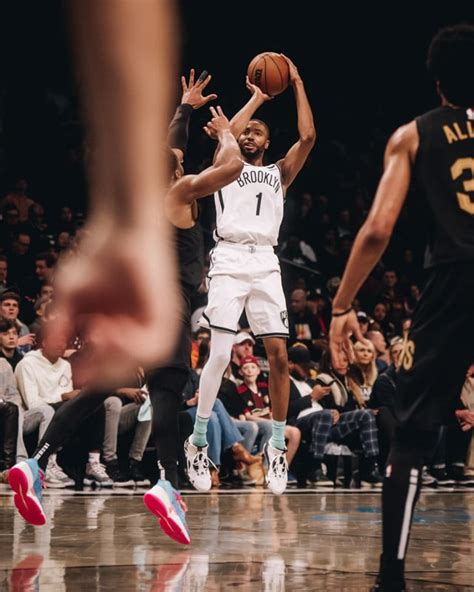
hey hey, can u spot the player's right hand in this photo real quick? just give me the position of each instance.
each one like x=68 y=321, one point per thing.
x=340 y=333
x=257 y=91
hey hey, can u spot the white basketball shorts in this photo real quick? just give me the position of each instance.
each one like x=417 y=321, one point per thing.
x=245 y=277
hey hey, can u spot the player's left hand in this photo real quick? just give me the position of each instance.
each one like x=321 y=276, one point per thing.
x=340 y=333
x=294 y=74
x=192 y=91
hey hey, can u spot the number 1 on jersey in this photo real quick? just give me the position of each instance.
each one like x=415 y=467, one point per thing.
x=259 y=203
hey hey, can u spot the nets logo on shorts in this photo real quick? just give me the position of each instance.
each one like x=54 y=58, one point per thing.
x=284 y=318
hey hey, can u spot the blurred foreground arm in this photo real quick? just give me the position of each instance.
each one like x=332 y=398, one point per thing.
x=119 y=291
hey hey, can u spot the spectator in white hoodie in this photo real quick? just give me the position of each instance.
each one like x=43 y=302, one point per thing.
x=45 y=378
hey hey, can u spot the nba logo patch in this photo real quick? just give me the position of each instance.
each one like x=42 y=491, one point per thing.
x=388 y=471
x=284 y=318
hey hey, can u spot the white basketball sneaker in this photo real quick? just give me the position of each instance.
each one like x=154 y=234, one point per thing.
x=277 y=476
x=197 y=463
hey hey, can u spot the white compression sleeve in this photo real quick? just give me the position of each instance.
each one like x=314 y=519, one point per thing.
x=211 y=377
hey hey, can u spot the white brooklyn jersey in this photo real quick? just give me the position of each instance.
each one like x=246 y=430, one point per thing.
x=250 y=210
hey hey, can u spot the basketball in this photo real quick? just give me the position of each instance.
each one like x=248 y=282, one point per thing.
x=270 y=72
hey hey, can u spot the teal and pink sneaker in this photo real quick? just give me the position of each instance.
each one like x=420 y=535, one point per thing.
x=166 y=504
x=25 y=479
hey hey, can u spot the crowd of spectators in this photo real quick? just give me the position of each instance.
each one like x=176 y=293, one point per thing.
x=338 y=410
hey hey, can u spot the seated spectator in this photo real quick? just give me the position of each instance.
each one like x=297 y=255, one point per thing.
x=45 y=383
x=30 y=420
x=412 y=299
x=9 y=343
x=8 y=419
x=365 y=364
x=9 y=310
x=244 y=345
x=348 y=401
x=257 y=406
x=122 y=415
x=406 y=325
x=3 y=273
x=382 y=360
x=391 y=295
x=18 y=196
x=383 y=400
x=380 y=317
x=303 y=326
x=222 y=433
x=320 y=425
x=9 y=226
x=19 y=257
x=229 y=396
x=202 y=334
x=364 y=322
x=39 y=307
x=467 y=398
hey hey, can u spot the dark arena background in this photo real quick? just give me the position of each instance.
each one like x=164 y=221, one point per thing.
x=364 y=73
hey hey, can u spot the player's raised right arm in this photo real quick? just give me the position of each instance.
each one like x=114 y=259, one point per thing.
x=239 y=122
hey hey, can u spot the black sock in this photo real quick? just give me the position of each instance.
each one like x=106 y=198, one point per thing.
x=400 y=493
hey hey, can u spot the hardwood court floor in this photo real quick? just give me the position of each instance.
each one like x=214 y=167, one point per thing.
x=241 y=541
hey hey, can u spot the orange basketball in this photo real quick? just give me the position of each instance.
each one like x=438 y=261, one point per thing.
x=270 y=72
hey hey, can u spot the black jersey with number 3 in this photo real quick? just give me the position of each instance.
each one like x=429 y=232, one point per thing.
x=444 y=172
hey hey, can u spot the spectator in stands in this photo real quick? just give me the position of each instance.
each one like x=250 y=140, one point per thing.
x=20 y=258
x=383 y=399
x=9 y=343
x=364 y=322
x=8 y=419
x=382 y=360
x=39 y=307
x=366 y=368
x=257 y=407
x=382 y=321
x=391 y=295
x=44 y=267
x=303 y=325
x=9 y=226
x=243 y=347
x=37 y=227
x=9 y=311
x=327 y=411
x=45 y=382
x=3 y=273
x=467 y=398
x=406 y=324
x=234 y=404
x=412 y=299
x=18 y=196
x=122 y=415
x=63 y=241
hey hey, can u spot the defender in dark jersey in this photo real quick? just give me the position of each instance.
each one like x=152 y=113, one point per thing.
x=166 y=384
x=436 y=151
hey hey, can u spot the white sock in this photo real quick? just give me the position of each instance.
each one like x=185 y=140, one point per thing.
x=94 y=457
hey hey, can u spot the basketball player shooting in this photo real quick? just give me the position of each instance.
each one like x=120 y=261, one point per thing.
x=437 y=151
x=245 y=274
